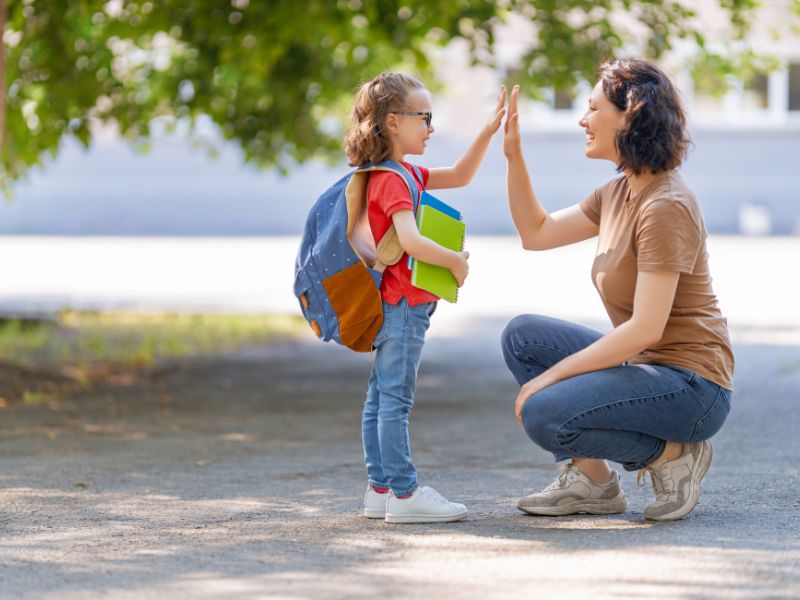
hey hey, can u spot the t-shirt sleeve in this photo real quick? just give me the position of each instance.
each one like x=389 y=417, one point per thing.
x=591 y=206
x=425 y=174
x=389 y=192
x=667 y=238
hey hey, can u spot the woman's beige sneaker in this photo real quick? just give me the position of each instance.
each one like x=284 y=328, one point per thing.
x=573 y=492
x=677 y=483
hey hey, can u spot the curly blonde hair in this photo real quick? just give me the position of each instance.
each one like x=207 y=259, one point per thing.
x=366 y=140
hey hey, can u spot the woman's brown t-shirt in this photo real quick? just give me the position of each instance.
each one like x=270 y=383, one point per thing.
x=661 y=229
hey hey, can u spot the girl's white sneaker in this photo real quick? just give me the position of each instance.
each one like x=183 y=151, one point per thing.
x=374 y=504
x=425 y=505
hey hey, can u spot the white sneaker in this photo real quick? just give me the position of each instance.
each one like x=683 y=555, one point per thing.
x=374 y=504
x=425 y=505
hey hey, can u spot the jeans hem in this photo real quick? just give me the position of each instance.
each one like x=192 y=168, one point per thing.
x=660 y=446
x=407 y=492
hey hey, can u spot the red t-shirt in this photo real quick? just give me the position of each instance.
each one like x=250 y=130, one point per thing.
x=386 y=194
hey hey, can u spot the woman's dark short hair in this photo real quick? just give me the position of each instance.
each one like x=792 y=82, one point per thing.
x=655 y=136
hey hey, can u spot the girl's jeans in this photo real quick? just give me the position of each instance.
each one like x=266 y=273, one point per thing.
x=387 y=449
x=625 y=414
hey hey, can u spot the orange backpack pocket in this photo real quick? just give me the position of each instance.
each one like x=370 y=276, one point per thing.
x=357 y=303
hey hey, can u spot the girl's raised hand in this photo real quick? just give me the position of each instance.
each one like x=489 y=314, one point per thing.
x=499 y=111
x=512 y=143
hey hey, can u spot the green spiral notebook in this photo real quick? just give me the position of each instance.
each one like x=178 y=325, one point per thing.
x=448 y=232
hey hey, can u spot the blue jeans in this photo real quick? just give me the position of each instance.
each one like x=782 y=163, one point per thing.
x=390 y=396
x=625 y=414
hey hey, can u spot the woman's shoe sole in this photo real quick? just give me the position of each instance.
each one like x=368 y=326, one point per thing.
x=599 y=507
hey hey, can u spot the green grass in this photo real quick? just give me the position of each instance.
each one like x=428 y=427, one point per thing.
x=80 y=342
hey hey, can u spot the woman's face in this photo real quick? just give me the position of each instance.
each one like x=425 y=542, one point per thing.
x=602 y=121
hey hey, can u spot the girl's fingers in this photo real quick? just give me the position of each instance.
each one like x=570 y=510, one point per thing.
x=501 y=100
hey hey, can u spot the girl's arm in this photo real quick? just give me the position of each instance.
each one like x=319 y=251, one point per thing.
x=537 y=229
x=652 y=303
x=464 y=170
x=426 y=250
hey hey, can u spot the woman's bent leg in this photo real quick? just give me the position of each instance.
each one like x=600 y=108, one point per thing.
x=534 y=343
x=624 y=414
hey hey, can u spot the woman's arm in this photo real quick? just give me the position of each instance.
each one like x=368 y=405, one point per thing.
x=461 y=173
x=537 y=229
x=652 y=303
x=426 y=250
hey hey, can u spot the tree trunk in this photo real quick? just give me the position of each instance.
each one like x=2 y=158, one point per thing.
x=2 y=77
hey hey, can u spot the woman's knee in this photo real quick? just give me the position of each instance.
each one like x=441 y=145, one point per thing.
x=514 y=338
x=541 y=421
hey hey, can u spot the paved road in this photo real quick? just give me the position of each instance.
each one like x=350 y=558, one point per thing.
x=242 y=477
x=247 y=481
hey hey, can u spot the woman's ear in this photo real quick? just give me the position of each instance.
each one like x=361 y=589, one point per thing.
x=391 y=122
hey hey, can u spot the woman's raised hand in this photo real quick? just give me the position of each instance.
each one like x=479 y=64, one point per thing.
x=499 y=111
x=512 y=144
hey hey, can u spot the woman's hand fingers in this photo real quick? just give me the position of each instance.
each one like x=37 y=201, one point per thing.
x=531 y=388
x=513 y=110
x=519 y=403
x=513 y=102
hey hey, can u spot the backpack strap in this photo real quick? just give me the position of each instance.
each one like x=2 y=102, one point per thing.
x=408 y=179
x=389 y=249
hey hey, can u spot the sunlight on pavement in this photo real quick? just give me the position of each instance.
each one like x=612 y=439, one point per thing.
x=753 y=278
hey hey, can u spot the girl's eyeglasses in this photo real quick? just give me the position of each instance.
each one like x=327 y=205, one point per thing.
x=428 y=115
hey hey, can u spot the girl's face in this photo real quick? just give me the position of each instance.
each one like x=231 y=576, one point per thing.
x=409 y=133
x=602 y=121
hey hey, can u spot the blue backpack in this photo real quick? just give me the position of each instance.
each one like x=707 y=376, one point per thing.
x=339 y=267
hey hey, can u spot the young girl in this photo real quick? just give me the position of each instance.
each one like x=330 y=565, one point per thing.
x=392 y=118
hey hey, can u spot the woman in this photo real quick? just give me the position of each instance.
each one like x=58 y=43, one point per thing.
x=650 y=393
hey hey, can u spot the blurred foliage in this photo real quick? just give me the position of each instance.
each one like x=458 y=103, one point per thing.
x=42 y=361
x=80 y=343
x=719 y=71
x=276 y=76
